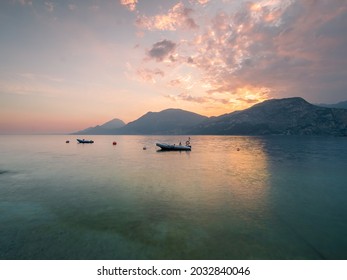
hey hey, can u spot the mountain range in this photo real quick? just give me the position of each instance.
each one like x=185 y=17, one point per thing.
x=104 y=129
x=288 y=116
x=170 y=121
x=342 y=105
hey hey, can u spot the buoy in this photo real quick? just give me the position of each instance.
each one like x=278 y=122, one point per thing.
x=67 y=141
x=114 y=143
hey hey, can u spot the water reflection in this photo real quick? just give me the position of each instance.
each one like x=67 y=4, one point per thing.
x=229 y=198
x=234 y=166
x=208 y=192
x=213 y=192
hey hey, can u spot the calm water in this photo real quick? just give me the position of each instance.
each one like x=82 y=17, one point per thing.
x=275 y=198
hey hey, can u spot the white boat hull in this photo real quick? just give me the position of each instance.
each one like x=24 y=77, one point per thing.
x=168 y=147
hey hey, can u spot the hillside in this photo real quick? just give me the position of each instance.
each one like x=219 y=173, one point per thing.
x=342 y=105
x=170 y=121
x=106 y=128
x=289 y=116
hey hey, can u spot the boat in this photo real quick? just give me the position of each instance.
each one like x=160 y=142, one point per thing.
x=83 y=141
x=169 y=147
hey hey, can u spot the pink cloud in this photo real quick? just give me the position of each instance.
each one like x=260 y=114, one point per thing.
x=130 y=4
x=278 y=45
x=202 y=2
x=177 y=17
x=268 y=48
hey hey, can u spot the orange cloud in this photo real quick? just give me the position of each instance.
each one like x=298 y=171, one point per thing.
x=202 y=2
x=220 y=103
x=264 y=49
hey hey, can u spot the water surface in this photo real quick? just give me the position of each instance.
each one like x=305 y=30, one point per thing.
x=229 y=198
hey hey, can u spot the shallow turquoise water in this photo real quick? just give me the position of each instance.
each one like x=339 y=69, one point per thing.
x=274 y=198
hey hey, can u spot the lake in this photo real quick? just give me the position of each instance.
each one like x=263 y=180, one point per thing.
x=229 y=198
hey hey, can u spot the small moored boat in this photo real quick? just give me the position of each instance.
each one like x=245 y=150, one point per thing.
x=168 y=147
x=83 y=141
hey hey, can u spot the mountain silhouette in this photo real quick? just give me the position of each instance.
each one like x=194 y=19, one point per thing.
x=106 y=128
x=288 y=116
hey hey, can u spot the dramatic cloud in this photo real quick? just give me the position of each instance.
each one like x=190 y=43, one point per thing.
x=211 y=57
x=269 y=47
x=177 y=17
x=297 y=57
x=284 y=46
x=161 y=50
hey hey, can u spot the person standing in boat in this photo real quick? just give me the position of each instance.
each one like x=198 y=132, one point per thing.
x=188 y=142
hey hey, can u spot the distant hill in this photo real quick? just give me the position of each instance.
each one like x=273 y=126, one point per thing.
x=106 y=128
x=289 y=116
x=170 y=121
x=342 y=105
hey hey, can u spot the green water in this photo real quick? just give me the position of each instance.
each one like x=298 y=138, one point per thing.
x=229 y=198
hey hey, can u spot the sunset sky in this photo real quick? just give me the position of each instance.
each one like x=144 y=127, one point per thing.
x=70 y=64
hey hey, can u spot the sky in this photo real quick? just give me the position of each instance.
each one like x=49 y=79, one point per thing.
x=70 y=64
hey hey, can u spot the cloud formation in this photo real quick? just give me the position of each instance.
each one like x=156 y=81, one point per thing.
x=161 y=50
x=271 y=47
x=202 y=2
x=211 y=57
x=130 y=4
x=177 y=17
